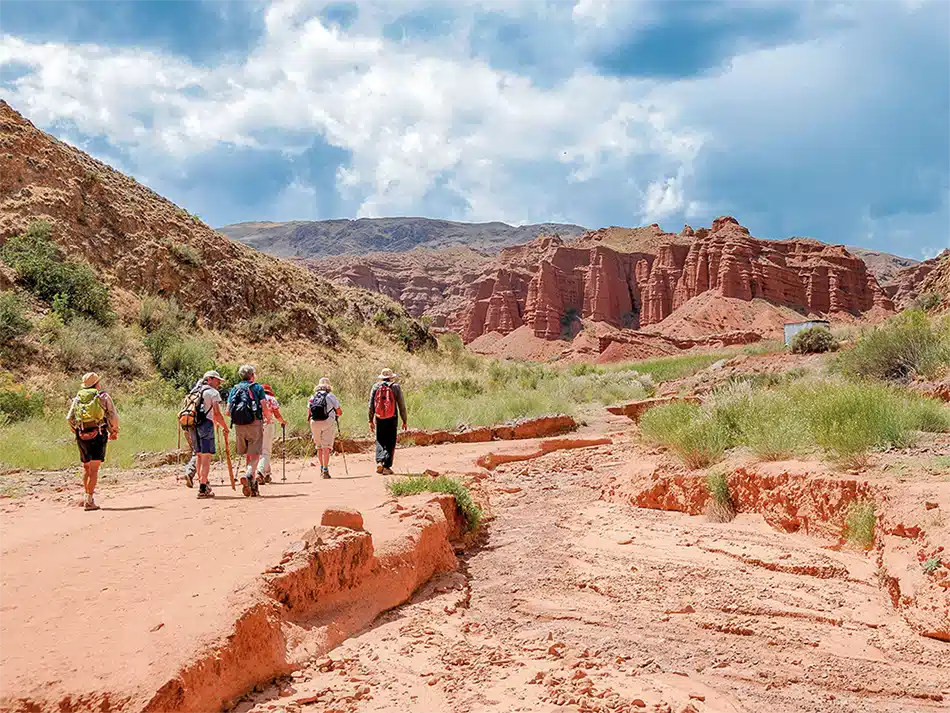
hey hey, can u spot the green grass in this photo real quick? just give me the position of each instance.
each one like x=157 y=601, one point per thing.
x=416 y=484
x=843 y=420
x=673 y=367
x=859 y=524
x=931 y=565
x=721 y=508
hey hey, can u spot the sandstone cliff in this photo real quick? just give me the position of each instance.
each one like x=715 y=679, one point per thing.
x=548 y=285
x=142 y=244
x=909 y=283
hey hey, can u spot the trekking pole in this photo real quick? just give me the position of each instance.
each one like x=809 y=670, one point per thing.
x=227 y=453
x=283 y=454
x=342 y=447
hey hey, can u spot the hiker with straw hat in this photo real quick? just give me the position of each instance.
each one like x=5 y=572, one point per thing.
x=323 y=409
x=385 y=399
x=93 y=418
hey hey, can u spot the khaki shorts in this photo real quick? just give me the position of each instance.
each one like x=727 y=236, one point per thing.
x=323 y=432
x=249 y=438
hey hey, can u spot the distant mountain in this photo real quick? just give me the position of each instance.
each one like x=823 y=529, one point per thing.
x=323 y=238
x=883 y=266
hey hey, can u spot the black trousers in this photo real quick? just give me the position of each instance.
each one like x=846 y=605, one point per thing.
x=386 y=431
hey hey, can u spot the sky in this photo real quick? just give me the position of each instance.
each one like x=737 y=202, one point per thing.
x=811 y=118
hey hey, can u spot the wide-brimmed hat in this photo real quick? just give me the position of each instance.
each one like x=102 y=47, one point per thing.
x=268 y=390
x=324 y=381
x=213 y=375
x=386 y=374
x=90 y=379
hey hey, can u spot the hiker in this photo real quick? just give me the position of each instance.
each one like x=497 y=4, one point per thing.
x=270 y=430
x=323 y=409
x=93 y=418
x=384 y=401
x=200 y=413
x=248 y=408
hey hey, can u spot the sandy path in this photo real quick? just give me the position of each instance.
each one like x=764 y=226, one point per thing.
x=574 y=604
x=117 y=600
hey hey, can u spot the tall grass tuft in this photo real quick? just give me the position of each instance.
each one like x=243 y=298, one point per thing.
x=696 y=436
x=416 y=484
x=859 y=524
x=720 y=507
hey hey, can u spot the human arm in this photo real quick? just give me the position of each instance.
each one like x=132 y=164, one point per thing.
x=279 y=416
x=218 y=417
x=401 y=405
x=372 y=407
x=70 y=417
x=112 y=416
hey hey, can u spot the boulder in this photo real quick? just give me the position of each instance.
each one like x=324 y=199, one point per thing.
x=342 y=517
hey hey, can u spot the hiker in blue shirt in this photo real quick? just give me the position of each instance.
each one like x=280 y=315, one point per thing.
x=248 y=407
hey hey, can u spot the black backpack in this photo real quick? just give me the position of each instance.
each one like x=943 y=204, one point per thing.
x=244 y=406
x=318 y=406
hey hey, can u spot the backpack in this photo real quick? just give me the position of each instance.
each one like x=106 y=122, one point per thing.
x=318 y=406
x=89 y=410
x=385 y=403
x=192 y=409
x=245 y=407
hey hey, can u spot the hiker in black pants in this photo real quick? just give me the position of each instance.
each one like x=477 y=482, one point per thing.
x=384 y=401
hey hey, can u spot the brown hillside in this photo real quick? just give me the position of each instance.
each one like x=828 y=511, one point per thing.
x=141 y=243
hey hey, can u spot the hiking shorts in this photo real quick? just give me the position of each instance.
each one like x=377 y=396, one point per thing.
x=203 y=438
x=323 y=432
x=94 y=448
x=250 y=438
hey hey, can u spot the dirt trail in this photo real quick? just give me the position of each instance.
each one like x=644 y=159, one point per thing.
x=577 y=604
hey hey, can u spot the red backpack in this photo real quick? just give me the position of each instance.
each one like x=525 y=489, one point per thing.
x=385 y=401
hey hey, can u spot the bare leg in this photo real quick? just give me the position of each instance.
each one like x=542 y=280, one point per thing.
x=325 y=457
x=204 y=466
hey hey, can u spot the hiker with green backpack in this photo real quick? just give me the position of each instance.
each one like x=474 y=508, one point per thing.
x=93 y=418
x=248 y=408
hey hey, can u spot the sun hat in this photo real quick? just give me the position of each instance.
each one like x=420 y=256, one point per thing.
x=213 y=375
x=324 y=381
x=386 y=374
x=90 y=379
x=268 y=390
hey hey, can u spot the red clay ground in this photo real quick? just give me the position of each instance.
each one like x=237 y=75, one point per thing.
x=575 y=600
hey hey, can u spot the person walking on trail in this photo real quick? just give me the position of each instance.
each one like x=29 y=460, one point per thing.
x=95 y=421
x=385 y=400
x=199 y=415
x=248 y=409
x=323 y=409
x=270 y=430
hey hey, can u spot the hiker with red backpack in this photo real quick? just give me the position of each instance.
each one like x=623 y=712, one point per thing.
x=323 y=410
x=385 y=400
x=248 y=408
x=95 y=421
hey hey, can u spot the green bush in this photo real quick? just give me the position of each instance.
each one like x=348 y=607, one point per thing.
x=13 y=323
x=72 y=288
x=16 y=402
x=266 y=326
x=673 y=367
x=927 y=301
x=693 y=434
x=416 y=484
x=907 y=345
x=185 y=254
x=814 y=340
x=859 y=524
x=85 y=345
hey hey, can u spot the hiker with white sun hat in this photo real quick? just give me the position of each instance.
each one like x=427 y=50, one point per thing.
x=386 y=406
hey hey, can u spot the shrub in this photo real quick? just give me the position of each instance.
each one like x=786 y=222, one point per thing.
x=266 y=326
x=415 y=484
x=928 y=415
x=814 y=340
x=927 y=301
x=16 y=402
x=720 y=507
x=72 y=288
x=673 y=367
x=13 y=323
x=697 y=437
x=181 y=360
x=771 y=429
x=859 y=524
x=931 y=565
x=84 y=345
x=185 y=254
x=906 y=345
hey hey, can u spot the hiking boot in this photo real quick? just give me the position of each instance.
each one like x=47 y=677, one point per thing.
x=265 y=479
x=387 y=471
x=205 y=491
x=246 y=485
x=255 y=491
x=325 y=472
x=90 y=504
x=189 y=480
x=379 y=468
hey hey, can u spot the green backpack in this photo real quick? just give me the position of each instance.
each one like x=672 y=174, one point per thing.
x=89 y=411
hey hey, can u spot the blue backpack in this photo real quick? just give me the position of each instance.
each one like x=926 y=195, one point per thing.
x=244 y=406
